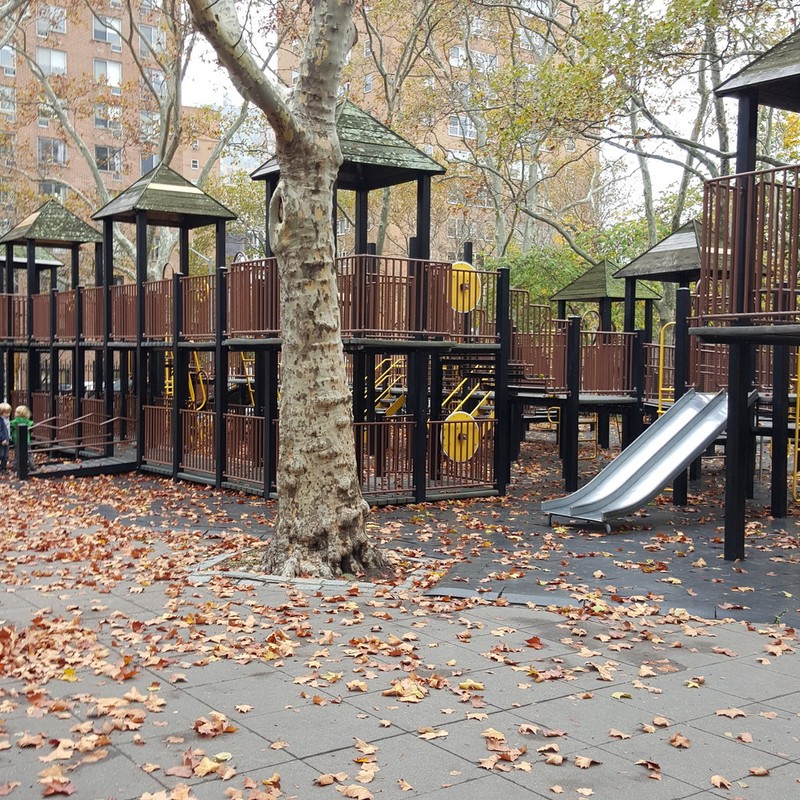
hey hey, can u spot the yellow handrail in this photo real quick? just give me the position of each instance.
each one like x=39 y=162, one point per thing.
x=453 y=393
x=661 y=350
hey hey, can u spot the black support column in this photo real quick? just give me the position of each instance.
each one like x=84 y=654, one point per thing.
x=502 y=406
x=220 y=359
x=571 y=411
x=141 y=371
x=680 y=485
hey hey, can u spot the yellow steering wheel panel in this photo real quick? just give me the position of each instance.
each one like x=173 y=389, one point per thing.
x=461 y=436
x=465 y=287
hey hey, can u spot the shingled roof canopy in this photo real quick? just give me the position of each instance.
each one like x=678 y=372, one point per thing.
x=598 y=283
x=169 y=200
x=51 y=225
x=675 y=259
x=774 y=76
x=374 y=155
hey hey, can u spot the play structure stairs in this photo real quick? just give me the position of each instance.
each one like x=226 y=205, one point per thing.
x=643 y=469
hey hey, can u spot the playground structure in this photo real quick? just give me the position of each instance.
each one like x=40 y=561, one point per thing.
x=181 y=376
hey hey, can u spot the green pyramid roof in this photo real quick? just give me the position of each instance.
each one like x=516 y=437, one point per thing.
x=168 y=198
x=774 y=76
x=51 y=225
x=374 y=155
x=598 y=283
x=674 y=258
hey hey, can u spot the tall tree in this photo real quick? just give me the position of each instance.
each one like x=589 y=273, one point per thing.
x=321 y=528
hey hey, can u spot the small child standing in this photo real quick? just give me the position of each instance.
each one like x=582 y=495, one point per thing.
x=23 y=419
x=5 y=434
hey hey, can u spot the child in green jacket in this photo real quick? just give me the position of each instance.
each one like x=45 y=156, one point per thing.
x=23 y=419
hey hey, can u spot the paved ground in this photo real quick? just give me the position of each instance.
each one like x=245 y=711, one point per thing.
x=128 y=673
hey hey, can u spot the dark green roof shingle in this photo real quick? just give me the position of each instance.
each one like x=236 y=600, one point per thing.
x=52 y=225
x=599 y=283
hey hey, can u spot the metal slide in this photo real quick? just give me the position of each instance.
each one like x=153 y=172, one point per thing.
x=644 y=468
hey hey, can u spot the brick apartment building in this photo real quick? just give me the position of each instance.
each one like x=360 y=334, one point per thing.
x=86 y=92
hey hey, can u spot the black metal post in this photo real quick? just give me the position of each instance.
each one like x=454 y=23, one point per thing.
x=780 y=430
x=648 y=320
x=571 y=411
x=141 y=370
x=502 y=404
x=22 y=453
x=54 y=376
x=179 y=376
x=736 y=450
x=561 y=309
x=362 y=221
x=269 y=190
x=680 y=485
x=74 y=265
x=79 y=364
x=632 y=420
x=107 y=280
x=424 y=217
x=220 y=360
x=418 y=391
x=34 y=359
x=270 y=416
x=629 y=313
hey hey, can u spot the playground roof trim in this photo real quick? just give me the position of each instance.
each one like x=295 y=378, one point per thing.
x=598 y=283
x=374 y=155
x=774 y=76
x=169 y=200
x=51 y=225
x=674 y=259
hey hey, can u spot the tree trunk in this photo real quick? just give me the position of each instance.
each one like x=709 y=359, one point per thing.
x=321 y=514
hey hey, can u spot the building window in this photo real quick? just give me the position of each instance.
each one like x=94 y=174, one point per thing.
x=462 y=126
x=367 y=84
x=195 y=164
x=151 y=40
x=54 y=189
x=569 y=145
x=51 y=62
x=51 y=151
x=343 y=90
x=531 y=40
x=458 y=56
x=7 y=149
x=8 y=102
x=8 y=61
x=108 y=29
x=108 y=159
x=342 y=226
x=458 y=155
x=149 y=162
x=45 y=115
x=485 y=62
x=157 y=81
x=107 y=117
x=51 y=19
x=150 y=124
x=110 y=73
x=367 y=47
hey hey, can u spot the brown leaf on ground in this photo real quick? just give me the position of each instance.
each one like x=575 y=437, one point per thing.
x=7 y=788
x=732 y=713
x=584 y=762
x=331 y=777
x=679 y=741
x=720 y=782
x=355 y=791
x=615 y=734
x=759 y=772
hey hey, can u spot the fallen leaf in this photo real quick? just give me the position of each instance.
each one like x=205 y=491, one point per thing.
x=584 y=762
x=331 y=777
x=720 y=782
x=355 y=791
x=759 y=772
x=731 y=712
x=679 y=741
x=404 y=785
x=615 y=734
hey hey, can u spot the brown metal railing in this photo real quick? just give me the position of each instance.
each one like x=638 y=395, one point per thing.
x=158 y=309
x=41 y=317
x=65 y=417
x=477 y=471
x=94 y=429
x=751 y=219
x=254 y=298
x=383 y=452
x=123 y=312
x=198 y=441
x=94 y=314
x=606 y=362
x=40 y=406
x=199 y=306
x=66 y=310
x=245 y=448
x=158 y=435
